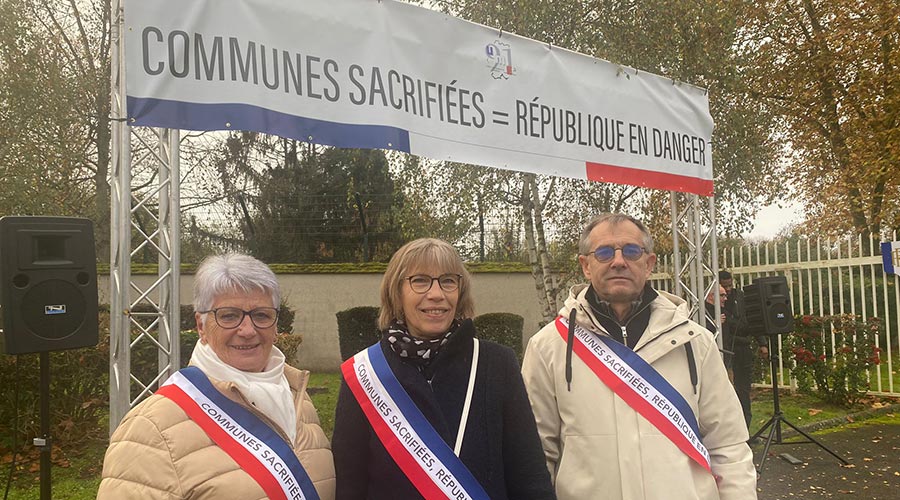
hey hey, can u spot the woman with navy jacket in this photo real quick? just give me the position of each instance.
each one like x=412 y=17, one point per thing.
x=431 y=411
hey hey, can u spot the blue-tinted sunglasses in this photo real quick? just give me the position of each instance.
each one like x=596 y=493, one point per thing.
x=630 y=251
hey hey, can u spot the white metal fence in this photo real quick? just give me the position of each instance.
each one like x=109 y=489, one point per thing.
x=826 y=277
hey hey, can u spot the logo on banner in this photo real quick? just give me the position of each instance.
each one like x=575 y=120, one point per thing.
x=499 y=57
x=890 y=256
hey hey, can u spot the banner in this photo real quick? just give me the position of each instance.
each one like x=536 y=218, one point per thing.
x=389 y=75
x=890 y=256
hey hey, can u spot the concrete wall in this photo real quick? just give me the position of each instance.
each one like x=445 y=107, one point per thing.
x=317 y=297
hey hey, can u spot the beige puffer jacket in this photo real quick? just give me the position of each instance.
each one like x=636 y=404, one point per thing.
x=158 y=452
x=599 y=447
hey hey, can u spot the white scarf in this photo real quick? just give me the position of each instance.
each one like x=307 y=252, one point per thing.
x=268 y=391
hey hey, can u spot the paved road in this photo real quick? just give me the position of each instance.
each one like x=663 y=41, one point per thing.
x=873 y=451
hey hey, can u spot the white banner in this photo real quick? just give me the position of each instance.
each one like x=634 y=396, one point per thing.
x=389 y=75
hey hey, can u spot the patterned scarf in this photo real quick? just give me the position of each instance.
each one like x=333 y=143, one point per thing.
x=419 y=352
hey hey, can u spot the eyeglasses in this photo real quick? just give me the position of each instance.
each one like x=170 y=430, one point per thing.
x=630 y=251
x=421 y=283
x=232 y=317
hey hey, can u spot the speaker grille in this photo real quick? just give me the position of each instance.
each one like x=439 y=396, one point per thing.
x=767 y=305
x=53 y=309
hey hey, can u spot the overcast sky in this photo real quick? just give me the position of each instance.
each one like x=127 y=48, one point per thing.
x=772 y=219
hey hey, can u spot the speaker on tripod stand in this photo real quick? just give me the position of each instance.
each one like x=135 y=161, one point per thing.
x=768 y=308
x=48 y=295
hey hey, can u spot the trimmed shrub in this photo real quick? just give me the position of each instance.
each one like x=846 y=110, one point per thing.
x=502 y=328
x=357 y=329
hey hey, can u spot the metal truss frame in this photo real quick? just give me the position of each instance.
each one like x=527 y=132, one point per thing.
x=151 y=314
x=696 y=255
x=148 y=217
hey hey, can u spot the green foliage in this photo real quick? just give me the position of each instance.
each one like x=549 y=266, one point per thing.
x=835 y=371
x=357 y=329
x=502 y=328
x=311 y=203
x=79 y=385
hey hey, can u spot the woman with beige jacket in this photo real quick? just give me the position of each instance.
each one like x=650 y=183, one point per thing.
x=237 y=423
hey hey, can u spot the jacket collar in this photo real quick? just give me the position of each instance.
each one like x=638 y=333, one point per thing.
x=667 y=312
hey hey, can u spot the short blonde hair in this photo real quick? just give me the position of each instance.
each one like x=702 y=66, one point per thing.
x=411 y=257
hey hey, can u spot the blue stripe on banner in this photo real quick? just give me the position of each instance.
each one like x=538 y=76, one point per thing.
x=656 y=380
x=886 y=259
x=256 y=427
x=147 y=112
x=423 y=427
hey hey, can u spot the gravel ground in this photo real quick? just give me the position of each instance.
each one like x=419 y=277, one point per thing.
x=873 y=453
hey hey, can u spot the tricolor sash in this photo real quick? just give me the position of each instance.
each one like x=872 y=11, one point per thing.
x=641 y=387
x=406 y=434
x=256 y=447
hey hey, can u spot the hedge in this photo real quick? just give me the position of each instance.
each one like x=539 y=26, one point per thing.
x=502 y=328
x=357 y=329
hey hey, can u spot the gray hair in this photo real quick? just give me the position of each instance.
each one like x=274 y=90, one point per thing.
x=232 y=272
x=584 y=244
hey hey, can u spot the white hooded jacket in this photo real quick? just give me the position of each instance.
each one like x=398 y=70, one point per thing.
x=599 y=447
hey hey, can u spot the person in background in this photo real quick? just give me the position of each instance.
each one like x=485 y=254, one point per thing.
x=631 y=398
x=739 y=341
x=237 y=423
x=711 y=312
x=430 y=411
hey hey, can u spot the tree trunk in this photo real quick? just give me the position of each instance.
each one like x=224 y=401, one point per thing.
x=548 y=312
x=549 y=284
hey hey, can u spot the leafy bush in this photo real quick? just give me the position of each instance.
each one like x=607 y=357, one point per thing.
x=833 y=370
x=502 y=328
x=79 y=389
x=357 y=329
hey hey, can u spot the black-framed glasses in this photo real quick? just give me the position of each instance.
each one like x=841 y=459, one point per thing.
x=630 y=251
x=232 y=317
x=421 y=283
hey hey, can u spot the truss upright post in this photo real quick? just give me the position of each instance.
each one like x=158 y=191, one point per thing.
x=120 y=239
x=695 y=259
x=149 y=217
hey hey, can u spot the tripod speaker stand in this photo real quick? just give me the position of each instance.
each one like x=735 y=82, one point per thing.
x=774 y=423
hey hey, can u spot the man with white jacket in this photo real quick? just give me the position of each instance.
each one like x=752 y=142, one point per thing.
x=631 y=398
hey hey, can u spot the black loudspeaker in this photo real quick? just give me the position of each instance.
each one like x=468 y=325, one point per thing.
x=48 y=284
x=767 y=304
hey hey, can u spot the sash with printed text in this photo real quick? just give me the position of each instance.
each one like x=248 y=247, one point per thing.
x=406 y=434
x=641 y=387
x=257 y=448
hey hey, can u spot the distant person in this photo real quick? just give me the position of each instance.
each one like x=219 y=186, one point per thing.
x=711 y=310
x=237 y=423
x=631 y=398
x=739 y=342
x=431 y=411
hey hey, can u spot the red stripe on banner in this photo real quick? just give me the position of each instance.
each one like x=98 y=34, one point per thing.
x=404 y=459
x=647 y=178
x=238 y=453
x=635 y=401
